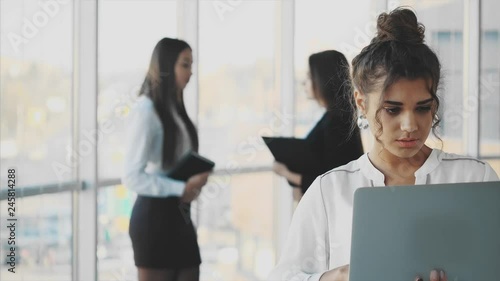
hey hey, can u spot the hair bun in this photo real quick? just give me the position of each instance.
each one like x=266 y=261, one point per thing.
x=400 y=25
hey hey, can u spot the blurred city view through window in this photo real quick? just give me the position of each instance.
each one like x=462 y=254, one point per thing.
x=35 y=86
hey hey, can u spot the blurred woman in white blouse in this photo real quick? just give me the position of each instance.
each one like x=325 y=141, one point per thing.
x=159 y=132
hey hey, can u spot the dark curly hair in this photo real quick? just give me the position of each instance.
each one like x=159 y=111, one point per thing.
x=397 y=51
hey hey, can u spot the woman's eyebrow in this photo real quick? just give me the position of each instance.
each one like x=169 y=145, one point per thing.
x=425 y=101
x=393 y=102
x=400 y=103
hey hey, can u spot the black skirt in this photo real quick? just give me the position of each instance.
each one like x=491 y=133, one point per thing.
x=162 y=233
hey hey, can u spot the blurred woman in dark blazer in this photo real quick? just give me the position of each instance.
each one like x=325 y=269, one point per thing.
x=333 y=140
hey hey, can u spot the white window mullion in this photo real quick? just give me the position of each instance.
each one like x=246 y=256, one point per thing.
x=187 y=30
x=285 y=76
x=85 y=149
x=471 y=43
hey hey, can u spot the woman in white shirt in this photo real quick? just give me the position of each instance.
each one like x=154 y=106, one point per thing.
x=395 y=82
x=159 y=133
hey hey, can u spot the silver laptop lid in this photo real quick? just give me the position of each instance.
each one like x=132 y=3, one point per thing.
x=404 y=231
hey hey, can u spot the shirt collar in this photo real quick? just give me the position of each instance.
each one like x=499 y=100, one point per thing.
x=378 y=179
x=430 y=164
x=369 y=171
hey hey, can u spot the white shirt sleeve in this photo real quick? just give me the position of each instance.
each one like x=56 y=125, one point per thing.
x=140 y=133
x=306 y=252
x=489 y=174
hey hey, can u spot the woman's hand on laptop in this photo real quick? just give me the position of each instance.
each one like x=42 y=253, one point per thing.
x=336 y=274
x=435 y=275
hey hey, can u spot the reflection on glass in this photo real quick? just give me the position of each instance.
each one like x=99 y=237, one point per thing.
x=35 y=78
x=124 y=51
x=489 y=80
x=43 y=238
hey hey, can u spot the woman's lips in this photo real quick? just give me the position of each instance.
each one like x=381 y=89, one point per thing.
x=407 y=143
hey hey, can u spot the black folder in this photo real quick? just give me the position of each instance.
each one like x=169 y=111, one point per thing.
x=296 y=154
x=189 y=165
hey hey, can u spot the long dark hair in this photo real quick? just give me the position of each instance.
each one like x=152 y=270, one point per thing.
x=331 y=81
x=397 y=51
x=160 y=86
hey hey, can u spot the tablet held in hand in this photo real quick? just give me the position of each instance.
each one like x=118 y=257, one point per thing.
x=190 y=164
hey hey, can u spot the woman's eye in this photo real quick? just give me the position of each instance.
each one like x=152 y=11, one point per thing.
x=423 y=108
x=392 y=110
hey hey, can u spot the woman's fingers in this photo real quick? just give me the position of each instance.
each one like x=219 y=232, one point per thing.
x=443 y=276
x=438 y=275
x=434 y=276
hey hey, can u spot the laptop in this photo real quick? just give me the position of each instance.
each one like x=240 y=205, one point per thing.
x=404 y=231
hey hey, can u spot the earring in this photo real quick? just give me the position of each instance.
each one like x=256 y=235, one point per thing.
x=362 y=122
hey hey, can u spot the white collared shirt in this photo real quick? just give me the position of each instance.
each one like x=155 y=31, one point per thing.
x=143 y=172
x=319 y=237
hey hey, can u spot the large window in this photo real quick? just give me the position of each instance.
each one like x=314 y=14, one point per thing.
x=114 y=247
x=43 y=238
x=238 y=102
x=35 y=136
x=235 y=229
x=35 y=89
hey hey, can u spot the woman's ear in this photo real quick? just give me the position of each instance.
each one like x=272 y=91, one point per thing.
x=359 y=98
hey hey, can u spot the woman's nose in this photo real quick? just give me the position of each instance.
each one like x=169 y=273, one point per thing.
x=408 y=123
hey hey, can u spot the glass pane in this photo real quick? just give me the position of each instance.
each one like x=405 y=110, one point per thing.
x=35 y=89
x=238 y=99
x=43 y=237
x=238 y=103
x=322 y=25
x=443 y=21
x=235 y=230
x=115 y=258
x=126 y=42
x=490 y=80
